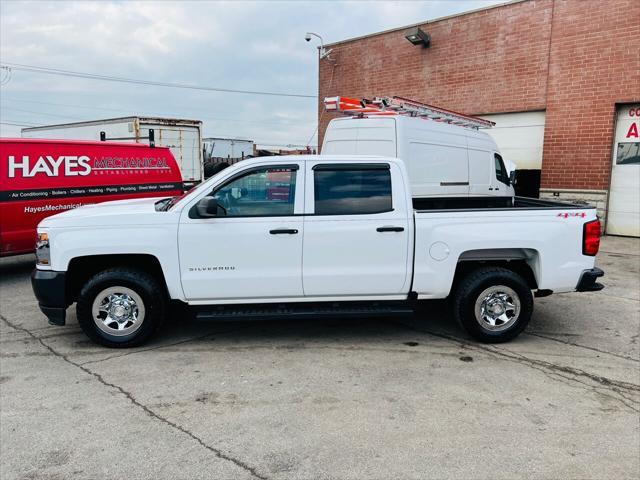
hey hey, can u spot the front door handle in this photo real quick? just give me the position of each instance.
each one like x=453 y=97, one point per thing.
x=390 y=229
x=283 y=231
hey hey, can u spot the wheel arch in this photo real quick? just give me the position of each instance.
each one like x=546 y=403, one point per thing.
x=523 y=261
x=82 y=268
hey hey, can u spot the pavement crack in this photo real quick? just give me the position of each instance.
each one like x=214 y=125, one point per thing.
x=619 y=297
x=218 y=453
x=570 y=374
x=614 y=389
x=621 y=254
x=566 y=342
x=12 y=326
x=159 y=347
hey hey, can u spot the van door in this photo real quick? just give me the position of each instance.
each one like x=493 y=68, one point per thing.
x=253 y=248
x=437 y=169
x=481 y=171
x=356 y=237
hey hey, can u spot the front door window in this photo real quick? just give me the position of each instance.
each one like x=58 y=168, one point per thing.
x=261 y=192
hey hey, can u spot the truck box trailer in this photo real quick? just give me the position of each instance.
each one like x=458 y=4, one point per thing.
x=224 y=151
x=226 y=148
x=183 y=137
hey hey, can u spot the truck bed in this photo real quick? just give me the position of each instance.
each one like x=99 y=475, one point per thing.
x=489 y=203
x=546 y=235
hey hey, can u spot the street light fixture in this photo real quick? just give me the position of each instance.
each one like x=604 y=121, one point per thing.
x=324 y=53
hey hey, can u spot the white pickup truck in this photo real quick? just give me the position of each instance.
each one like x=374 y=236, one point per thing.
x=310 y=236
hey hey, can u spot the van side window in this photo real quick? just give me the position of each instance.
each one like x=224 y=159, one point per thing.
x=343 y=189
x=261 y=192
x=501 y=171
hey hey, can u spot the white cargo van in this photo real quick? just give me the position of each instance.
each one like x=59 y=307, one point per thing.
x=183 y=137
x=443 y=159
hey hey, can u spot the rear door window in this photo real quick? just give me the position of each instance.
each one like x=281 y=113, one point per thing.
x=343 y=189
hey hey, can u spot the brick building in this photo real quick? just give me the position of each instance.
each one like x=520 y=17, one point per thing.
x=561 y=79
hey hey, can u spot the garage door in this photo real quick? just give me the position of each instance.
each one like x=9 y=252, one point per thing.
x=623 y=215
x=519 y=137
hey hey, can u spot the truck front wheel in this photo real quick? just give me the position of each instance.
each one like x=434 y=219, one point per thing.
x=493 y=304
x=121 y=307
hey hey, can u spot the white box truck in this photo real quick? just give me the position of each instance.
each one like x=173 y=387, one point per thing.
x=183 y=137
x=227 y=148
x=221 y=152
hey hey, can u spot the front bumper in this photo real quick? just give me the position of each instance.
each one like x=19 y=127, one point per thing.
x=588 y=282
x=50 y=290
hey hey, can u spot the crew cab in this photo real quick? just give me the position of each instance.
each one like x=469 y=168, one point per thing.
x=310 y=236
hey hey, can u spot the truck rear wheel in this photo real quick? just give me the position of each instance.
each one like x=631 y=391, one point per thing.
x=493 y=304
x=121 y=307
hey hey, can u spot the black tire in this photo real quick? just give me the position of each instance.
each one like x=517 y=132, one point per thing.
x=475 y=284
x=148 y=289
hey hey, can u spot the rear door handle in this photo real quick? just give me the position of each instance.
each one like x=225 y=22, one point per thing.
x=283 y=231
x=390 y=229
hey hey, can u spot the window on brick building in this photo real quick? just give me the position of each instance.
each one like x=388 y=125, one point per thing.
x=628 y=153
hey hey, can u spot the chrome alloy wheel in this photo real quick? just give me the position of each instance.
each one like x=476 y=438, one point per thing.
x=497 y=308
x=118 y=311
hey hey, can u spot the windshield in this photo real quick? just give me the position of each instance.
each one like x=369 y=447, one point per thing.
x=166 y=203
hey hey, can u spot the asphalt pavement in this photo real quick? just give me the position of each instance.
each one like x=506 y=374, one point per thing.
x=329 y=399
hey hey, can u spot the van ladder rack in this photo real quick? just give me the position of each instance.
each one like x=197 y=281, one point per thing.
x=384 y=106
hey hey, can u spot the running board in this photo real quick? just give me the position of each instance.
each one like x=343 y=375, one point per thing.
x=301 y=310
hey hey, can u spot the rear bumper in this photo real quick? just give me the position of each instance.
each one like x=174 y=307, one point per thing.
x=50 y=290
x=588 y=282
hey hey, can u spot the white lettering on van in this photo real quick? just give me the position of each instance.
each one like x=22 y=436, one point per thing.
x=67 y=165
x=83 y=161
x=55 y=162
x=24 y=166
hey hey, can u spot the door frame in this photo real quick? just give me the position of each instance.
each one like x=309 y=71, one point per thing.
x=185 y=215
x=613 y=149
x=398 y=206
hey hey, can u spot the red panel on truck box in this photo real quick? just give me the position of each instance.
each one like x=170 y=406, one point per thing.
x=39 y=178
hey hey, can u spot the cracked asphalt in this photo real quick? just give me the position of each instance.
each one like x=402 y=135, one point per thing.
x=338 y=399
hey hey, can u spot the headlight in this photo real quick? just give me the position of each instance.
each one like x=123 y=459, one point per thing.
x=43 y=252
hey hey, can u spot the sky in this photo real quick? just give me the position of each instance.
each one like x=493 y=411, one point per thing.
x=240 y=45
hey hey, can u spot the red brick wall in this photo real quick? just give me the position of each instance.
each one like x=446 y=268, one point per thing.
x=499 y=60
x=594 y=64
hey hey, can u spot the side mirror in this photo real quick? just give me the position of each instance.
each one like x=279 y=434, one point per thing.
x=209 y=207
x=512 y=178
